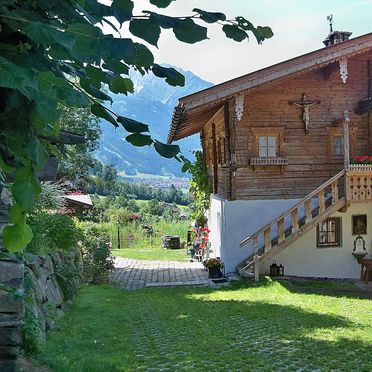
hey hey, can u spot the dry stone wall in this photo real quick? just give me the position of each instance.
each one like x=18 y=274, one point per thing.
x=11 y=306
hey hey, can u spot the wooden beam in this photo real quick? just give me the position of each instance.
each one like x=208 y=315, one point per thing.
x=346 y=140
x=227 y=150
x=255 y=259
x=215 y=160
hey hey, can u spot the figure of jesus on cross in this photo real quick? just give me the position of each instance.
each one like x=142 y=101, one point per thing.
x=305 y=104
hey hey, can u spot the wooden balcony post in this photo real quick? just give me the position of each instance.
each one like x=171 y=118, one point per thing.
x=294 y=220
x=267 y=240
x=346 y=140
x=281 y=235
x=335 y=196
x=308 y=214
x=255 y=259
x=321 y=201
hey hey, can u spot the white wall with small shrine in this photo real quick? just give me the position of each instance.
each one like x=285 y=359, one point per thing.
x=304 y=259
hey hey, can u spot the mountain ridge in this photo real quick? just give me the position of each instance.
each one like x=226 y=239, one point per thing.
x=152 y=103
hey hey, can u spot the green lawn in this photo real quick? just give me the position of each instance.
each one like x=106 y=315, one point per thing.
x=269 y=326
x=152 y=253
x=142 y=247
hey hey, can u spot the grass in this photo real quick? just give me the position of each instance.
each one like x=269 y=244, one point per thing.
x=262 y=327
x=142 y=247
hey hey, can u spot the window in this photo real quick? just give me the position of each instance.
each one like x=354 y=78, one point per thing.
x=267 y=146
x=336 y=143
x=337 y=146
x=328 y=233
x=267 y=142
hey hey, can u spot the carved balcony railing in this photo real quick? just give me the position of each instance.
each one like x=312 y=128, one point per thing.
x=359 y=183
x=268 y=161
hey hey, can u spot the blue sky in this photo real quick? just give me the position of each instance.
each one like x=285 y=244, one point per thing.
x=299 y=27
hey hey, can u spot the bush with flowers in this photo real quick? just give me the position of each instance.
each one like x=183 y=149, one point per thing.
x=365 y=159
x=215 y=263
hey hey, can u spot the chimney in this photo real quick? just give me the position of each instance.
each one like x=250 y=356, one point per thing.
x=335 y=37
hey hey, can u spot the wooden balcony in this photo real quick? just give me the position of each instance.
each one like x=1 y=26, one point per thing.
x=359 y=183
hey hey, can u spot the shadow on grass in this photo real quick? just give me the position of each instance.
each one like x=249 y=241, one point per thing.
x=203 y=329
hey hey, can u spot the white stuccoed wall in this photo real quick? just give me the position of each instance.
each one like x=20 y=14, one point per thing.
x=303 y=258
x=231 y=221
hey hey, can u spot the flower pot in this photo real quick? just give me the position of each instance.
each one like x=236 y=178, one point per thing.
x=214 y=272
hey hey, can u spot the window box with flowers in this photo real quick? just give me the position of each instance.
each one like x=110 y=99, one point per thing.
x=214 y=267
x=361 y=163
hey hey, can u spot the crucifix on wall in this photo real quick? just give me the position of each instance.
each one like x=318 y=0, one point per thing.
x=305 y=104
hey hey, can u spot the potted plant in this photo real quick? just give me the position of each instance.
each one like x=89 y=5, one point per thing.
x=214 y=266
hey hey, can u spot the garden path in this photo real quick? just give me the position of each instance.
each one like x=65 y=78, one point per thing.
x=135 y=274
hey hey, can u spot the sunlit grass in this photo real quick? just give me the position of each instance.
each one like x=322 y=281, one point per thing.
x=266 y=326
x=135 y=244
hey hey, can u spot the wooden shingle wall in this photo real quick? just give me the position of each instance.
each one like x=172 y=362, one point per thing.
x=307 y=154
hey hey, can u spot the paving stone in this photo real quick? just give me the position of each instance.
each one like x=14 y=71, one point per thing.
x=134 y=274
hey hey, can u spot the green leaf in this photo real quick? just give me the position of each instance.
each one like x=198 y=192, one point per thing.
x=38 y=154
x=121 y=85
x=163 y=20
x=101 y=112
x=173 y=77
x=116 y=66
x=146 y=30
x=16 y=214
x=167 y=151
x=139 y=140
x=93 y=91
x=24 y=194
x=120 y=48
x=97 y=75
x=185 y=167
x=142 y=57
x=17 y=237
x=188 y=31
x=234 y=32
x=132 y=126
x=14 y=77
x=210 y=17
x=122 y=10
x=45 y=34
x=161 y=3
x=5 y=167
x=265 y=31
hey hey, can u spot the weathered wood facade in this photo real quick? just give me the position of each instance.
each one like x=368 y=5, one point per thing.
x=278 y=142
x=307 y=154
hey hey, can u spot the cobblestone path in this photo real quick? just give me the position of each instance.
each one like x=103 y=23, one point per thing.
x=134 y=274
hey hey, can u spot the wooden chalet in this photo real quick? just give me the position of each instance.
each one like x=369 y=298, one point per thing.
x=279 y=145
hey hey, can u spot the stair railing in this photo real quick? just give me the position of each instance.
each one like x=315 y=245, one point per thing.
x=265 y=232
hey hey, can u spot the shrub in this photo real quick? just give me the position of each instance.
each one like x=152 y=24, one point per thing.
x=97 y=258
x=69 y=279
x=52 y=233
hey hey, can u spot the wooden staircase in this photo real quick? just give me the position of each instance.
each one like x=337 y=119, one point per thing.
x=294 y=223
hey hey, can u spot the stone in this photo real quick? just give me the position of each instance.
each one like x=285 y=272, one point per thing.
x=10 y=304
x=47 y=265
x=9 y=365
x=34 y=263
x=11 y=273
x=53 y=292
x=36 y=286
x=10 y=336
x=8 y=352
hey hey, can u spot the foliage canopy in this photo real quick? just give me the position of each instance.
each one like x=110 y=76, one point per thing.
x=55 y=53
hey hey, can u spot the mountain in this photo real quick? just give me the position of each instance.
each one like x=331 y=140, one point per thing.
x=152 y=103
